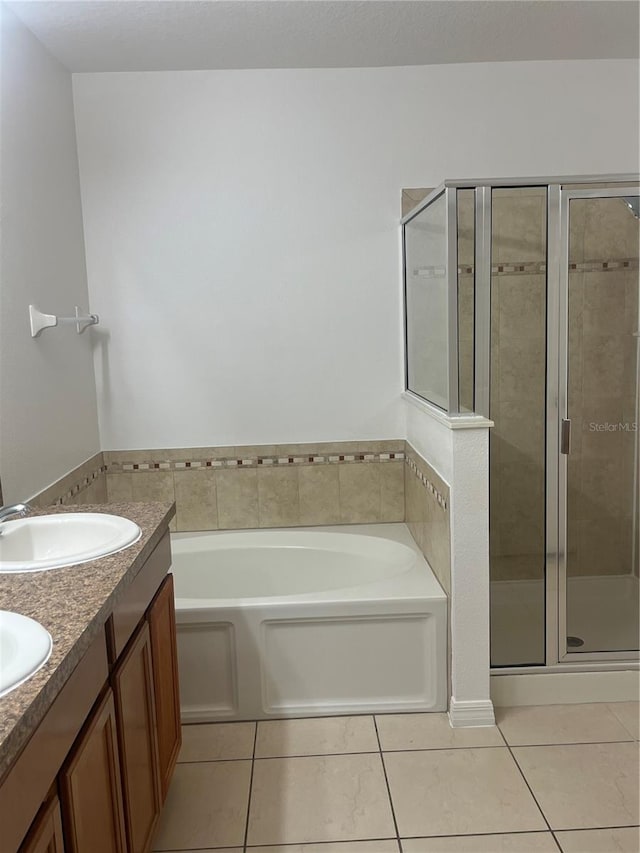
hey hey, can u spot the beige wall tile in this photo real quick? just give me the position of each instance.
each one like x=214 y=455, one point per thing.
x=427 y=520
x=610 y=230
x=604 y=302
x=120 y=487
x=52 y=493
x=278 y=502
x=319 y=494
x=196 y=504
x=237 y=498
x=522 y=306
x=603 y=365
x=359 y=493
x=251 y=451
x=152 y=486
x=519 y=227
x=412 y=197
x=391 y=491
x=94 y=493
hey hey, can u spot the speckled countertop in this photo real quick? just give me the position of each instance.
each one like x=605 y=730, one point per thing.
x=73 y=604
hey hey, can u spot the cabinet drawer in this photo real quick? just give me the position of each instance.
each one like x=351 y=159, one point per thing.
x=130 y=610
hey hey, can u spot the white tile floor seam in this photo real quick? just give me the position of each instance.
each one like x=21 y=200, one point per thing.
x=365 y=784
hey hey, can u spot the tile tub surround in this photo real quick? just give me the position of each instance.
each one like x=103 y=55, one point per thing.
x=427 y=514
x=86 y=484
x=223 y=488
x=368 y=784
x=73 y=604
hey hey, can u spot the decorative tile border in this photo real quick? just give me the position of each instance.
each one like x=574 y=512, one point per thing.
x=256 y=461
x=81 y=485
x=433 y=491
x=532 y=268
x=605 y=266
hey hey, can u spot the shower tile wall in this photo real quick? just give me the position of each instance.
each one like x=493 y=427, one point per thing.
x=603 y=312
x=517 y=404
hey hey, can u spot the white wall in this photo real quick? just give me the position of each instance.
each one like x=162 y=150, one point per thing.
x=241 y=228
x=48 y=415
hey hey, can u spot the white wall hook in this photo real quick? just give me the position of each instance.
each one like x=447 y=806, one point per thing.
x=40 y=321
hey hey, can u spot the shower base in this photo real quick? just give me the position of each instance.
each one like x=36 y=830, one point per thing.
x=602 y=611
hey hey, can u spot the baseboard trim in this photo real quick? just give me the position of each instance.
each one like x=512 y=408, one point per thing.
x=470 y=713
x=565 y=688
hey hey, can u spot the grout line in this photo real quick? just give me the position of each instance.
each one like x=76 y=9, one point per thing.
x=253 y=757
x=563 y=743
x=557 y=843
x=216 y=760
x=386 y=780
x=526 y=782
x=482 y=834
x=305 y=843
x=504 y=745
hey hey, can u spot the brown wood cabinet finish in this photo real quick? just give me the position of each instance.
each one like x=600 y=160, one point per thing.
x=162 y=626
x=90 y=787
x=137 y=738
x=97 y=745
x=45 y=835
x=27 y=784
x=130 y=610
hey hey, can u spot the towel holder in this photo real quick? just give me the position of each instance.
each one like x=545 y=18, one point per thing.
x=40 y=321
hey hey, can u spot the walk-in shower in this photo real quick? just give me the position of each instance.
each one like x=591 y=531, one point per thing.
x=521 y=300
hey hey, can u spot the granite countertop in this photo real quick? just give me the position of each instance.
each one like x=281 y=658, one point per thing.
x=73 y=604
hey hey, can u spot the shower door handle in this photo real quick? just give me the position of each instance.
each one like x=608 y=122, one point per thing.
x=565 y=436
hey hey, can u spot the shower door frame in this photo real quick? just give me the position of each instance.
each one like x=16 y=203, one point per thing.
x=558 y=412
x=560 y=189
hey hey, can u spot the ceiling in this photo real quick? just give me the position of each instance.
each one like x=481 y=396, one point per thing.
x=158 y=35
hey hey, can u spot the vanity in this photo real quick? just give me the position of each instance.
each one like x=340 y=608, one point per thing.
x=89 y=743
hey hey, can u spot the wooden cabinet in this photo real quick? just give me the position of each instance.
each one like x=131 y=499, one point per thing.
x=109 y=742
x=45 y=835
x=137 y=738
x=162 y=625
x=90 y=787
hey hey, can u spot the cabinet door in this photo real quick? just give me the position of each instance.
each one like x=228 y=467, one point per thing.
x=135 y=711
x=90 y=787
x=162 y=624
x=45 y=835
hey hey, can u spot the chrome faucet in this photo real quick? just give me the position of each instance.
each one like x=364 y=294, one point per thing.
x=15 y=509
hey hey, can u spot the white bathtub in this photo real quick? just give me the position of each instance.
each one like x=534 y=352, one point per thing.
x=307 y=621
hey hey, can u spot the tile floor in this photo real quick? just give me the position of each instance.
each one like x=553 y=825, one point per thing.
x=546 y=779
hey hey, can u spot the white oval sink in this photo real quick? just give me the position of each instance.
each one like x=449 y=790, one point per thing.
x=25 y=646
x=53 y=541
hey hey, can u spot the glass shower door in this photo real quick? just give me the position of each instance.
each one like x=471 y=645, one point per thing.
x=598 y=569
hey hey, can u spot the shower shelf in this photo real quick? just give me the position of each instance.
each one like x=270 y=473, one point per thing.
x=40 y=321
